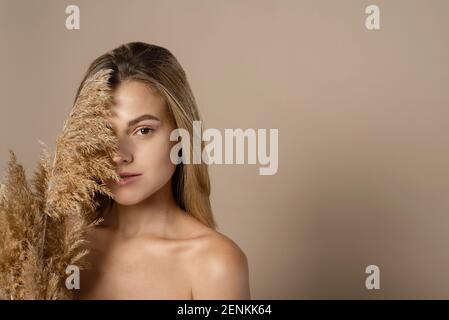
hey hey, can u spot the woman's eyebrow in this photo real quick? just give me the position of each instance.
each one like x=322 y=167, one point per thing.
x=141 y=118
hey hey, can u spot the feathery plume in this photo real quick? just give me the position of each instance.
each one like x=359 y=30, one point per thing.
x=43 y=223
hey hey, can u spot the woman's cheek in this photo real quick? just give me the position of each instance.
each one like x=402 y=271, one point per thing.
x=159 y=161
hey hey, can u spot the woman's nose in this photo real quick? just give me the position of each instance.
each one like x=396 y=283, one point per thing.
x=120 y=158
x=122 y=155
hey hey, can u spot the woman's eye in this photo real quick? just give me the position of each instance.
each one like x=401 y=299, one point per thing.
x=145 y=130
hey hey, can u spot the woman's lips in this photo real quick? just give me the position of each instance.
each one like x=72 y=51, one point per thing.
x=127 y=180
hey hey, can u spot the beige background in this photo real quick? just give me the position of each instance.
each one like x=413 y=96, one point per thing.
x=363 y=119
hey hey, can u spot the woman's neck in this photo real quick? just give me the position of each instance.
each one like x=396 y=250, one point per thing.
x=154 y=216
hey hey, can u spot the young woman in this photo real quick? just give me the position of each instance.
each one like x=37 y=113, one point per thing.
x=158 y=237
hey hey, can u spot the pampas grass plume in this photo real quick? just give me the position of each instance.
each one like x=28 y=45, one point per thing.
x=43 y=222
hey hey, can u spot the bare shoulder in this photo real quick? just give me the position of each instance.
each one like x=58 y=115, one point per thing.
x=217 y=248
x=213 y=245
x=219 y=268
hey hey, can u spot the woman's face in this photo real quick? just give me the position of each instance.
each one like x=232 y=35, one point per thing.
x=144 y=146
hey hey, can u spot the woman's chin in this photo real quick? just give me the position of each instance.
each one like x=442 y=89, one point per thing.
x=126 y=199
x=126 y=202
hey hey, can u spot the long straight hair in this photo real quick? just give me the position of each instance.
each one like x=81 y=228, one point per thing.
x=158 y=68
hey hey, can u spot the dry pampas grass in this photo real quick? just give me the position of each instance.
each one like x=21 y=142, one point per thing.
x=43 y=223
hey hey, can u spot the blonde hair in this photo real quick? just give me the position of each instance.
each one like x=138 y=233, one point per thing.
x=158 y=68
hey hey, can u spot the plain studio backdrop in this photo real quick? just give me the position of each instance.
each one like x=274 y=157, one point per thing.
x=363 y=119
